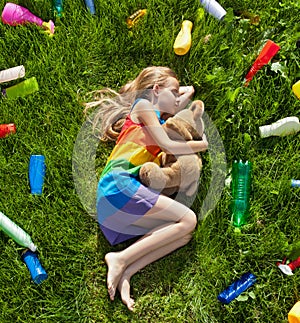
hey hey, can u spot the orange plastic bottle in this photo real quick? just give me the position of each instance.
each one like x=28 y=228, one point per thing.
x=183 y=40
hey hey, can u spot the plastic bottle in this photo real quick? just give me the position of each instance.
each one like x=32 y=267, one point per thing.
x=295 y=182
x=7 y=129
x=14 y=15
x=131 y=20
x=236 y=288
x=294 y=313
x=90 y=6
x=58 y=8
x=37 y=169
x=16 y=233
x=21 y=89
x=12 y=73
x=296 y=89
x=289 y=268
x=214 y=8
x=241 y=186
x=183 y=40
x=37 y=272
x=268 y=51
x=283 y=127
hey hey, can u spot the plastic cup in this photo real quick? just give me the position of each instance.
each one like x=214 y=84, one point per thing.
x=214 y=8
x=37 y=272
x=37 y=169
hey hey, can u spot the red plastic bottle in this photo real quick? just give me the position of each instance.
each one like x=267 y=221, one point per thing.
x=268 y=51
x=7 y=129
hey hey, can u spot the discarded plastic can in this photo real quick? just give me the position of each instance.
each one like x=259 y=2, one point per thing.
x=37 y=272
x=236 y=288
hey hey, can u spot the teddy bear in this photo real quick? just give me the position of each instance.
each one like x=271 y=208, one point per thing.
x=181 y=173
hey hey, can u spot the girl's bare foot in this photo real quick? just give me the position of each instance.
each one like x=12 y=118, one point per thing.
x=124 y=289
x=115 y=270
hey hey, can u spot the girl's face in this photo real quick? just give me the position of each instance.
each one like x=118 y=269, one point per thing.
x=168 y=96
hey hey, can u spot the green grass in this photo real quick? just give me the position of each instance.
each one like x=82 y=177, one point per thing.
x=88 y=53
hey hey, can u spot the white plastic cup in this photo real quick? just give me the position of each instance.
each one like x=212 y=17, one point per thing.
x=214 y=8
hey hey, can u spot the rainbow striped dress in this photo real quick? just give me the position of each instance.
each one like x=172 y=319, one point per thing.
x=121 y=198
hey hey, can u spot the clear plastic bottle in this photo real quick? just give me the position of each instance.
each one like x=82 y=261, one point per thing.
x=236 y=288
x=241 y=187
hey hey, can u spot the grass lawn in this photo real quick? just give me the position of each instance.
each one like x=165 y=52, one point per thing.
x=91 y=52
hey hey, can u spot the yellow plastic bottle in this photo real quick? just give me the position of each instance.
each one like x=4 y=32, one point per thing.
x=296 y=89
x=183 y=40
x=294 y=314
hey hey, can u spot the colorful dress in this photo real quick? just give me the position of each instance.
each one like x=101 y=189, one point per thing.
x=121 y=198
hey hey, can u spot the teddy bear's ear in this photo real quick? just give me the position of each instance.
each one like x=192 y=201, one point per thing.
x=197 y=107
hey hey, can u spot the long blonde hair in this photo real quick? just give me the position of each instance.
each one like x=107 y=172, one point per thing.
x=113 y=106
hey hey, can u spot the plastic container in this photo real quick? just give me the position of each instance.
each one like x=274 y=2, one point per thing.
x=7 y=129
x=58 y=8
x=14 y=15
x=283 y=127
x=295 y=182
x=236 y=288
x=21 y=89
x=37 y=272
x=214 y=8
x=12 y=73
x=16 y=233
x=296 y=89
x=268 y=51
x=132 y=20
x=90 y=6
x=241 y=188
x=294 y=313
x=37 y=170
x=183 y=40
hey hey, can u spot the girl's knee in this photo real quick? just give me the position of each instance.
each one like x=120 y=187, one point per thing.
x=190 y=220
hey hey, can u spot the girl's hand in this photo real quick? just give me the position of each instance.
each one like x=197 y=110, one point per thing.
x=185 y=95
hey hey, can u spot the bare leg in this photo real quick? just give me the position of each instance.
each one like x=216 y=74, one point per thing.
x=165 y=209
x=124 y=283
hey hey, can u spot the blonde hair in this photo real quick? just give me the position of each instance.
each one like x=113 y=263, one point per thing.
x=113 y=106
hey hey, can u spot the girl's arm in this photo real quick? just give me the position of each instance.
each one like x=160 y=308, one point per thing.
x=185 y=95
x=144 y=112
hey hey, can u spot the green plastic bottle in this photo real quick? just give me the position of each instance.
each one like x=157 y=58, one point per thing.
x=241 y=187
x=21 y=89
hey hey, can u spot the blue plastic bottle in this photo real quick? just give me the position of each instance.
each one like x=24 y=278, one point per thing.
x=236 y=288
x=37 y=272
